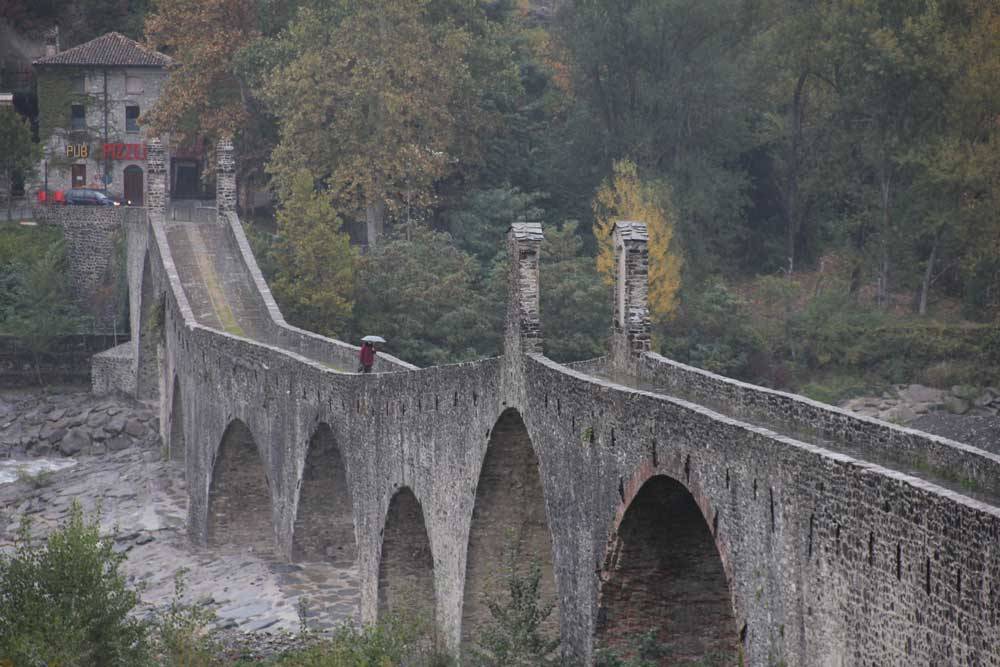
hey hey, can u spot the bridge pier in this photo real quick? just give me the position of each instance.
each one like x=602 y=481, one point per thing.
x=631 y=330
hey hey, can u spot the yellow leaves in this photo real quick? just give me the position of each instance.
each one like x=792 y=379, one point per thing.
x=626 y=197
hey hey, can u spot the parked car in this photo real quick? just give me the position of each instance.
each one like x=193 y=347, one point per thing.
x=90 y=197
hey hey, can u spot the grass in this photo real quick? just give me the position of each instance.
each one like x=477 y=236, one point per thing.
x=835 y=388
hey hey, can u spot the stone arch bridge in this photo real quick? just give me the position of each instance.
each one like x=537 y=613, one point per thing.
x=729 y=518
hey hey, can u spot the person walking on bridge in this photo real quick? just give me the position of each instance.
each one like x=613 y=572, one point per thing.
x=367 y=357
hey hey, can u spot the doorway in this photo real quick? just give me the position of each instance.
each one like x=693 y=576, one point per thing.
x=79 y=175
x=133 y=185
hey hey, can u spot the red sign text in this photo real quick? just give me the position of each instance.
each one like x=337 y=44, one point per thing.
x=124 y=151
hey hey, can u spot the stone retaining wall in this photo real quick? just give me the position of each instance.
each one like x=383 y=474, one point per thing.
x=113 y=370
x=66 y=361
x=92 y=235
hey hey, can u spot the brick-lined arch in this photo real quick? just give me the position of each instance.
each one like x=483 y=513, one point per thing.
x=176 y=445
x=324 y=519
x=239 y=500
x=406 y=568
x=663 y=572
x=509 y=514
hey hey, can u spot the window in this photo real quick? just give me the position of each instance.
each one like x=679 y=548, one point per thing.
x=131 y=119
x=133 y=85
x=80 y=84
x=77 y=118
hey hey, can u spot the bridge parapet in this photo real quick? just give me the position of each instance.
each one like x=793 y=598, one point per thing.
x=524 y=327
x=157 y=197
x=225 y=176
x=631 y=337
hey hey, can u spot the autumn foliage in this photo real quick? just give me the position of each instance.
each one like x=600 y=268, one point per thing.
x=203 y=94
x=624 y=196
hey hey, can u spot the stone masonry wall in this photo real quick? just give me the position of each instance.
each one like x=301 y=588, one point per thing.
x=631 y=327
x=113 y=370
x=978 y=469
x=663 y=575
x=509 y=526
x=406 y=574
x=59 y=172
x=225 y=176
x=92 y=234
x=240 y=502
x=324 y=520
x=828 y=559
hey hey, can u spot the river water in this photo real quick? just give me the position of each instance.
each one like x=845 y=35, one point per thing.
x=10 y=468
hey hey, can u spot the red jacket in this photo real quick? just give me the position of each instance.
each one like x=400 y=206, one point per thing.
x=367 y=355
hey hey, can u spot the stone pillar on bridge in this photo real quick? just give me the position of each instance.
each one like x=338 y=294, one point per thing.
x=157 y=197
x=524 y=328
x=225 y=176
x=631 y=330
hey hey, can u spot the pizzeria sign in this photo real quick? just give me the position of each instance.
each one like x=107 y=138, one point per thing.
x=125 y=151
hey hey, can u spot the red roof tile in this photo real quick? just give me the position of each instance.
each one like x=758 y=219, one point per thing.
x=110 y=50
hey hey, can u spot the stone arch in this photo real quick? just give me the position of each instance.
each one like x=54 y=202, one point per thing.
x=406 y=567
x=509 y=514
x=176 y=446
x=151 y=323
x=239 y=498
x=324 y=518
x=663 y=572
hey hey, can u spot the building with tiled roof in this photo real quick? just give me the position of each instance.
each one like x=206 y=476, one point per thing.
x=91 y=99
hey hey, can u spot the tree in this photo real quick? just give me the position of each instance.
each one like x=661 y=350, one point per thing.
x=18 y=153
x=382 y=99
x=480 y=222
x=420 y=292
x=576 y=311
x=662 y=83
x=35 y=303
x=314 y=261
x=65 y=601
x=205 y=94
x=626 y=197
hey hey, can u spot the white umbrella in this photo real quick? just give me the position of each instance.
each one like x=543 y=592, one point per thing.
x=373 y=339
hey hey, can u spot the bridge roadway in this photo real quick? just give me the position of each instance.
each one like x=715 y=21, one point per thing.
x=729 y=519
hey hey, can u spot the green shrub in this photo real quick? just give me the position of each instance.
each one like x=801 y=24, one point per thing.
x=179 y=636
x=64 y=602
x=515 y=636
x=391 y=643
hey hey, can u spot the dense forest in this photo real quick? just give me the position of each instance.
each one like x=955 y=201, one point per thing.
x=821 y=179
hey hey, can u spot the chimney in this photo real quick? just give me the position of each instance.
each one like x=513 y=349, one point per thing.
x=52 y=42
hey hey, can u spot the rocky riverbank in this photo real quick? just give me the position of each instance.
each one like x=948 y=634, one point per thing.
x=119 y=468
x=72 y=423
x=963 y=413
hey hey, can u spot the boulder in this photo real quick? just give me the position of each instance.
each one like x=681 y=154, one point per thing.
x=984 y=399
x=95 y=419
x=956 y=405
x=901 y=414
x=134 y=428
x=57 y=414
x=118 y=443
x=918 y=393
x=115 y=425
x=965 y=392
x=49 y=430
x=74 y=442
